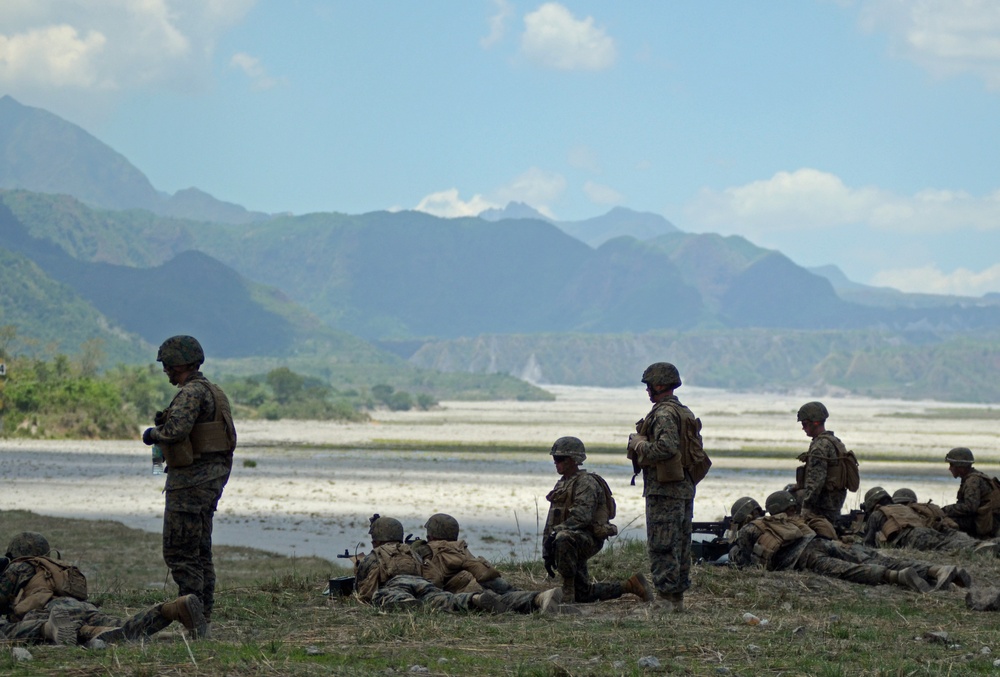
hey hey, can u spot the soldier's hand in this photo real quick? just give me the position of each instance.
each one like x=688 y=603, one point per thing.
x=147 y=437
x=634 y=440
x=160 y=417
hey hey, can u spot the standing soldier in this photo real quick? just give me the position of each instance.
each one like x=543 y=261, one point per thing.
x=577 y=525
x=819 y=485
x=198 y=438
x=667 y=482
x=978 y=496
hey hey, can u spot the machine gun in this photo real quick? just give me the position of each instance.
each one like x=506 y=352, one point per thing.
x=850 y=523
x=714 y=550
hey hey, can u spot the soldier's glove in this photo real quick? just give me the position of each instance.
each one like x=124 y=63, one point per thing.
x=147 y=437
x=634 y=440
x=160 y=417
x=421 y=549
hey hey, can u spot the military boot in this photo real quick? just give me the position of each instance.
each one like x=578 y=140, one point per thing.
x=962 y=578
x=670 y=601
x=638 y=585
x=907 y=578
x=60 y=628
x=105 y=633
x=548 y=602
x=943 y=576
x=990 y=548
x=487 y=600
x=189 y=612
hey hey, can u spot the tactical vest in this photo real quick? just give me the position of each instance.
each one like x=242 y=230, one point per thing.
x=897 y=518
x=53 y=578
x=933 y=516
x=562 y=500
x=692 y=457
x=841 y=471
x=216 y=436
x=986 y=515
x=776 y=533
x=822 y=527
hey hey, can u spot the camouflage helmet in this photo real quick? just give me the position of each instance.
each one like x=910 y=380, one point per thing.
x=779 y=502
x=386 y=530
x=813 y=411
x=904 y=496
x=662 y=374
x=28 y=544
x=873 y=496
x=442 y=527
x=570 y=446
x=180 y=350
x=743 y=509
x=960 y=456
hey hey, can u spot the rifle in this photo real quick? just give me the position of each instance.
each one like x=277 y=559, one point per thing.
x=850 y=523
x=710 y=550
x=548 y=557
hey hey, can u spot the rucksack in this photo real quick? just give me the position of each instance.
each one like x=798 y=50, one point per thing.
x=53 y=578
x=605 y=512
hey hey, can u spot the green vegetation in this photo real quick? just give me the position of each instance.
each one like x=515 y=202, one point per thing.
x=271 y=619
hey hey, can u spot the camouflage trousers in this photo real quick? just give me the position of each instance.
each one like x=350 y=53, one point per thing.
x=668 y=538
x=518 y=601
x=402 y=591
x=856 y=564
x=143 y=624
x=187 y=539
x=925 y=538
x=571 y=550
x=828 y=504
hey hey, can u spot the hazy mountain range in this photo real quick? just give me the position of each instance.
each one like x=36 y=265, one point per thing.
x=91 y=250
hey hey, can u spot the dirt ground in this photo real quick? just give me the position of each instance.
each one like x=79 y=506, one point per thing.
x=313 y=485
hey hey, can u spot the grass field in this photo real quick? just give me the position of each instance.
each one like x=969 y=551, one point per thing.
x=272 y=620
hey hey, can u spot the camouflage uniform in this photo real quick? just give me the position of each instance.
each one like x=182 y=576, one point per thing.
x=820 y=555
x=974 y=491
x=569 y=538
x=452 y=568
x=815 y=497
x=28 y=627
x=916 y=534
x=192 y=493
x=669 y=505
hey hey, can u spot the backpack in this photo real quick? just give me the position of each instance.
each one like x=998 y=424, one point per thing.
x=605 y=512
x=842 y=473
x=53 y=578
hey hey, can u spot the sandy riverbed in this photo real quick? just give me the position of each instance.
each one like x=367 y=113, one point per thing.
x=312 y=489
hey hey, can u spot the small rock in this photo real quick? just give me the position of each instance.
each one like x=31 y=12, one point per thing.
x=554 y=657
x=986 y=651
x=618 y=665
x=834 y=618
x=313 y=651
x=418 y=668
x=787 y=606
x=799 y=631
x=996 y=663
x=442 y=660
x=753 y=648
x=764 y=622
x=938 y=636
x=21 y=654
x=649 y=662
x=723 y=671
x=96 y=644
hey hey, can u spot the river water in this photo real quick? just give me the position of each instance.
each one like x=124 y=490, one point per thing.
x=313 y=485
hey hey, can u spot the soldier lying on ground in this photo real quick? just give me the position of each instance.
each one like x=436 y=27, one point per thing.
x=783 y=540
x=448 y=564
x=896 y=525
x=391 y=576
x=43 y=599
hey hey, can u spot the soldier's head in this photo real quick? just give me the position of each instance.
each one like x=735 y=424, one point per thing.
x=960 y=460
x=385 y=530
x=745 y=509
x=568 y=453
x=661 y=378
x=812 y=416
x=180 y=356
x=28 y=544
x=904 y=496
x=875 y=497
x=781 y=502
x=441 y=527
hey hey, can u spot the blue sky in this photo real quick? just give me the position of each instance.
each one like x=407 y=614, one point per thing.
x=862 y=134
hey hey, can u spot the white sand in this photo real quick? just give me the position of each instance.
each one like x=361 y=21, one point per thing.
x=314 y=500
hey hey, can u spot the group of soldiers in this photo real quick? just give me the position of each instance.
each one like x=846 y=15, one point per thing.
x=803 y=530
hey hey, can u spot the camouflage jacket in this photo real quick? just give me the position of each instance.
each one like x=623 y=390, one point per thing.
x=821 y=456
x=383 y=564
x=573 y=503
x=12 y=581
x=773 y=542
x=663 y=442
x=193 y=404
x=450 y=558
x=974 y=491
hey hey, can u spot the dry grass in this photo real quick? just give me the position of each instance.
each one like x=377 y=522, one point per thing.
x=272 y=620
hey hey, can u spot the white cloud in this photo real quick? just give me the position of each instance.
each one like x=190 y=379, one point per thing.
x=931 y=280
x=112 y=44
x=448 y=204
x=535 y=187
x=602 y=195
x=498 y=24
x=252 y=69
x=946 y=37
x=554 y=38
x=808 y=199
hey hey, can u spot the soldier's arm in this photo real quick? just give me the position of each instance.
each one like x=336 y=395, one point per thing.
x=665 y=440
x=816 y=469
x=743 y=547
x=184 y=412
x=972 y=498
x=585 y=495
x=872 y=526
